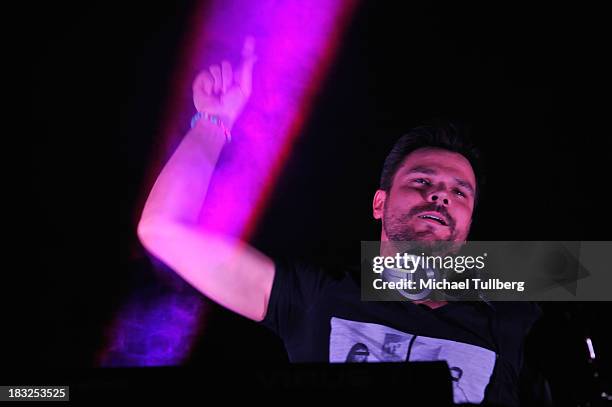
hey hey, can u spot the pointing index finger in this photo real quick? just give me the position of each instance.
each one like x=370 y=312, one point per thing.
x=248 y=59
x=248 y=49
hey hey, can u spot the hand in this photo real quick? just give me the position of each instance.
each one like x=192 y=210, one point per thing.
x=222 y=91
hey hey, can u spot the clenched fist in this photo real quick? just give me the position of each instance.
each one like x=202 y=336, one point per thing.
x=222 y=90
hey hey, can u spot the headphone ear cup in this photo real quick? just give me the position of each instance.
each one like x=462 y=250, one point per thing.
x=420 y=274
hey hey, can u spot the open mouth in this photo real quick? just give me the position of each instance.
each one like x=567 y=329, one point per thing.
x=434 y=217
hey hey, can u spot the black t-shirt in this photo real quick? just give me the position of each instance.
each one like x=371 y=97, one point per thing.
x=320 y=317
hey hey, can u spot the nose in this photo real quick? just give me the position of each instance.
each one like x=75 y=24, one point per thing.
x=439 y=196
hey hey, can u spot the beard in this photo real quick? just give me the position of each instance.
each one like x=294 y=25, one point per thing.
x=406 y=239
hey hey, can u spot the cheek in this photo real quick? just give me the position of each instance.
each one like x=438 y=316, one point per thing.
x=463 y=215
x=405 y=198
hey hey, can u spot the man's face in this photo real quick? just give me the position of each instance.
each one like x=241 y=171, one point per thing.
x=431 y=198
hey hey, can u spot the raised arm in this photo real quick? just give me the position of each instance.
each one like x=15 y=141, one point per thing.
x=229 y=272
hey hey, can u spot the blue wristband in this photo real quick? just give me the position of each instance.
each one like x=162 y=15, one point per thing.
x=214 y=119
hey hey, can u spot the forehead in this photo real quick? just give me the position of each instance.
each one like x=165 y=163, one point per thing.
x=444 y=162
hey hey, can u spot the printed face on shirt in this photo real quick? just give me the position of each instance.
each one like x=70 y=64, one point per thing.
x=358 y=354
x=431 y=198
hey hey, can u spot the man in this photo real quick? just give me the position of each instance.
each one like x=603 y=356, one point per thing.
x=428 y=191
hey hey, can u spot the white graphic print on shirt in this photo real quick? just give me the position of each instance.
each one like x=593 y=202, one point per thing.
x=471 y=366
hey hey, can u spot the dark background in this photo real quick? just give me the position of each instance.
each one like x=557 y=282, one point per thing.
x=525 y=79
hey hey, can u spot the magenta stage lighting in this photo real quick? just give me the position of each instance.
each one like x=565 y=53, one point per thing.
x=296 y=42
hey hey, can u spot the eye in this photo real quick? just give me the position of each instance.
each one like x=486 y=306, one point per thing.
x=460 y=193
x=422 y=181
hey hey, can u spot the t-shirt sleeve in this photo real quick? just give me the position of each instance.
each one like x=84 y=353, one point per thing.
x=296 y=287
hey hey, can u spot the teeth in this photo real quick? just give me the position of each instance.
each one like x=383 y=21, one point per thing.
x=432 y=217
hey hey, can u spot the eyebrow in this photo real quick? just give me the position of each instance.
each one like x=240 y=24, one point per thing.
x=430 y=171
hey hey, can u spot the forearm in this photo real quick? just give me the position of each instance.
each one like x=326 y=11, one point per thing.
x=182 y=185
x=226 y=270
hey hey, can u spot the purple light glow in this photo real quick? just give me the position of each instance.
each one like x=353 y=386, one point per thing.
x=295 y=44
x=296 y=41
x=157 y=331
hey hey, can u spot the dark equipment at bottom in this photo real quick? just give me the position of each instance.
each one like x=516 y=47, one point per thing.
x=423 y=383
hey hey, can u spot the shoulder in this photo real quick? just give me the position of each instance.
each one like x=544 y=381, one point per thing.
x=516 y=319
x=518 y=310
x=311 y=270
x=306 y=281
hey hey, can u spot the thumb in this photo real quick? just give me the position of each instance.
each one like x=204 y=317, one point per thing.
x=245 y=73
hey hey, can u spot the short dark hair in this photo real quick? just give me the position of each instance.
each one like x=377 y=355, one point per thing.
x=445 y=135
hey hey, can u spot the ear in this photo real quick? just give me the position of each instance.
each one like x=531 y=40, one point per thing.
x=378 y=204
